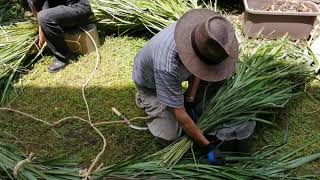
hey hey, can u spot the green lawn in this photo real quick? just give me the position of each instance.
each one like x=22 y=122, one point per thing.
x=55 y=96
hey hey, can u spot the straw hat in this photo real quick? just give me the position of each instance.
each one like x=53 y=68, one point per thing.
x=206 y=44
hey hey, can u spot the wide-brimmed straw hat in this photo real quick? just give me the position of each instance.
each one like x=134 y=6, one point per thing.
x=207 y=44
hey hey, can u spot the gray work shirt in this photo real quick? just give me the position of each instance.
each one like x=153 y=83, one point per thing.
x=158 y=66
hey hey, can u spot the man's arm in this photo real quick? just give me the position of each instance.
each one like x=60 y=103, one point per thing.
x=37 y=5
x=42 y=38
x=170 y=93
x=33 y=8
x=215 y=157
x=189 y=127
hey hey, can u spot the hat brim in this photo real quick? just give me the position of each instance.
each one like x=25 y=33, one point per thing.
x=192 y=62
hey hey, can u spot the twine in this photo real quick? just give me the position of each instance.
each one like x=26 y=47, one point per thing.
x=95 y=161
x=76 y=42
x=20 y=164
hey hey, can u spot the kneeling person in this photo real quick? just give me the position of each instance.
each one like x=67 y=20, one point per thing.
x=200 y=45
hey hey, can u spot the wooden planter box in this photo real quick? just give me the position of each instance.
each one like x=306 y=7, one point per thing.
x=272 y=24
x=79 y=42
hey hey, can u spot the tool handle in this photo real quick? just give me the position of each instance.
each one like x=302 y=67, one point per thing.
x=127 y=121
x=116 y=111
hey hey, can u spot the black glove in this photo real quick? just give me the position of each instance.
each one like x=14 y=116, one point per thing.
x=215 y=156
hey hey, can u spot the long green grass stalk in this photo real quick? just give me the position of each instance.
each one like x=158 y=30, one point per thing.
x=15 y=43
x=266 y=164
x=269 y=163
x=128 y=16
x=264 y=80
x=56 y=169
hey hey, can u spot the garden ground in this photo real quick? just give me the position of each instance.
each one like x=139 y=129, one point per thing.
x=54 y=96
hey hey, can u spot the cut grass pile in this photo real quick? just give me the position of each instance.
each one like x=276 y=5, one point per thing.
x=129 y=16
x=268 y=163
x=55 y=169
x=15 y=44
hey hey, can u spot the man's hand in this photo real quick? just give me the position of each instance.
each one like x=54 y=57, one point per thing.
x=189 y=127
x=42 y=38
x=215 y=156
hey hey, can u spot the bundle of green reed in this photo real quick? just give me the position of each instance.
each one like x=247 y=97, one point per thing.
x=265 y=79
x=128 y=16
x=15 y=165
x=270 y=163
x=15 y=43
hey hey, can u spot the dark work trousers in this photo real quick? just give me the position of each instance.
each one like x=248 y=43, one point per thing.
x=55 y=20
x=195 y=111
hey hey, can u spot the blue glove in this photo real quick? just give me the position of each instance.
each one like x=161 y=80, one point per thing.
x=215 y=157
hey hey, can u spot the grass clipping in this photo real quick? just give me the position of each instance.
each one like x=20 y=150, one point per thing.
x=265 y=79
x=15 y=165
x=270 y=163
x=129 y=16
x=15 y=45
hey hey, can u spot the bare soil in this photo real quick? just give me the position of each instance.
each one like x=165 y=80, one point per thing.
x=288 y=6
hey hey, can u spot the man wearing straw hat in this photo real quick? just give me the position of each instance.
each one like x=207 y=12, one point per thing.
x=54 y=16
x=200 y=48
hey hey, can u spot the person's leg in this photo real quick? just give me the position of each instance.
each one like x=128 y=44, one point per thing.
x=233 y=139
x=52 y=22
x=229 y=132
x=243 y=145
x=163 y=126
